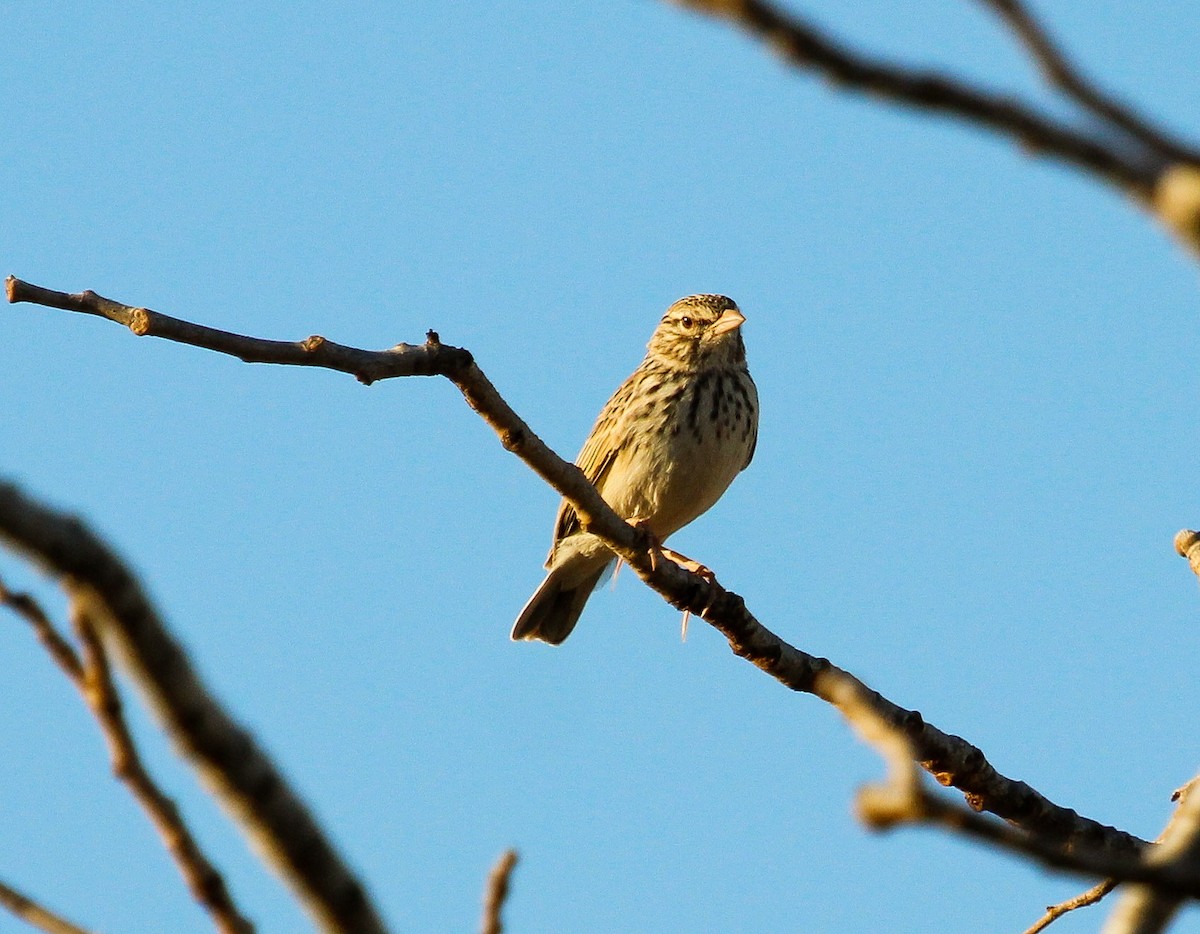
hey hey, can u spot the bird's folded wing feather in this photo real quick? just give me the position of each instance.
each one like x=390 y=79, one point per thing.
x=597 y=457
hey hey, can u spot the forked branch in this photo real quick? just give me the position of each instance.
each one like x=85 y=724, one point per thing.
x=1114 y=143
x=108 y=600
x=92 y=677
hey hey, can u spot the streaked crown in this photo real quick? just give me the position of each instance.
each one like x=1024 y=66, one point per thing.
x=700 y=331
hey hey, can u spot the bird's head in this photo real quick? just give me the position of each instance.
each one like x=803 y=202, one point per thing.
x=700 y=330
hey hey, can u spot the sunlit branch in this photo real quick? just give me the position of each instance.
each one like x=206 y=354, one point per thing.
x=904 y=799
x=1061 y=73
x=1148 y=909
x=496 y=893
x=35 y=915
x=951 y=759
x=93 y=678
x=1082 y=900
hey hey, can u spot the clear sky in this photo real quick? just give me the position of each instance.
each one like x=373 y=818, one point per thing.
x=977 y=441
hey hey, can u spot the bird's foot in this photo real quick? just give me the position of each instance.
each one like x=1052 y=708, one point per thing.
x=658 y=550
x=687 y=563
x=653 y=542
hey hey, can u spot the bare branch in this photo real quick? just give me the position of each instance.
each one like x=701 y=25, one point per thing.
x=903 y=799
x=801 y=44
x=1146 y=909
x=1082 y=900
x=240 y=774
x=428 y=359
x=94 y=680
x=59 y=649
x=496 y=892
x=203 y=880
x=1095 y=894
x=951 y=759
x=36 y=915
x=1062 y=74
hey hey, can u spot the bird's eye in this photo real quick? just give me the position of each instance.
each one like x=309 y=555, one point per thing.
x=686 y=322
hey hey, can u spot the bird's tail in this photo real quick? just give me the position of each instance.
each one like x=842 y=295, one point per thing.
x=554 y=609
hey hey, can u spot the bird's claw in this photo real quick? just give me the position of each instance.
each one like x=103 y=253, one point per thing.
x=688 y=564
x=656 y=550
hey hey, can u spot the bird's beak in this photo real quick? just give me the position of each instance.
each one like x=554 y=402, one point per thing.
x=730 y=320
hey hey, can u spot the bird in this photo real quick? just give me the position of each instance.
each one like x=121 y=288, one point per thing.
x=664 y=449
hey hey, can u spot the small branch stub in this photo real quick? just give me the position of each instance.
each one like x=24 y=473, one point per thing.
x=139 y=322
x=496 y=893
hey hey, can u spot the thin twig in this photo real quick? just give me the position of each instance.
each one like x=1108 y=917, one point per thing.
x=428 y=359
x=1082 y=900
x=227 y=757
x=1061 y=73
x=1096 y=893
x=1148 y=909
x=36 y=915
x=203 y=880
x=951 y=759
x=94 y=680
x=496 y=893
x=56 y=645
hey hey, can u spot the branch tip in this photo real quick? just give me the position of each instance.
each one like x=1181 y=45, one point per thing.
x=496 y=892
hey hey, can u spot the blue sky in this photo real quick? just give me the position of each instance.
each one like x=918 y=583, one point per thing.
x=975 y=448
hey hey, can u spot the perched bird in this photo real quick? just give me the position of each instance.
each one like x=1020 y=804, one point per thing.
x=663 y=450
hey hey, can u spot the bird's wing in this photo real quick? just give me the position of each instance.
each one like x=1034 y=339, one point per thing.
x=754 y=420
x=597 y=457
x=594 y=460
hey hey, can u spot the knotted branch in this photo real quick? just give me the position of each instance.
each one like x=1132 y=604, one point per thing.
x=904 y=799
x=951 y=759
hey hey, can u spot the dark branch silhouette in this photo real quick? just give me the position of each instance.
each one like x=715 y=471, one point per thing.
x=92 y=677
x=105 y=593
x=1118 y=146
